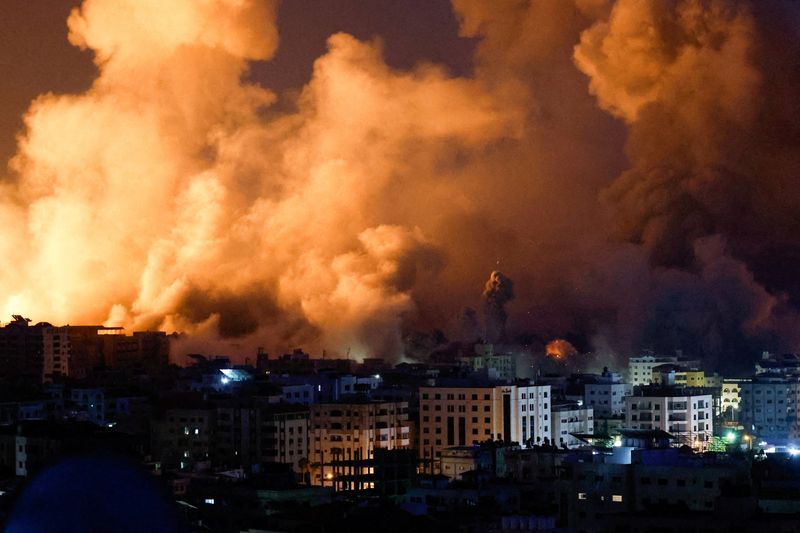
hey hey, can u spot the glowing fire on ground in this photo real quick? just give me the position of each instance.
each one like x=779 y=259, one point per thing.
x=560 y=349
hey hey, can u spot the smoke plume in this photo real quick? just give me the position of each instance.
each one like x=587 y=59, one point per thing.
x=632 y=163
x=499 y=290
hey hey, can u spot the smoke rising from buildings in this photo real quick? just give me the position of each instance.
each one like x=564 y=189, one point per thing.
x=633 y=164
x=499 y=290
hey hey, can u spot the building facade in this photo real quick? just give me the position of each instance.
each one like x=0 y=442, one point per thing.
x=640 y=369
x=500 y=366
x=569 y=419
x=686 y=413
x=769 y=407
x=352 y=431
x=464 y=415
x=606 y=399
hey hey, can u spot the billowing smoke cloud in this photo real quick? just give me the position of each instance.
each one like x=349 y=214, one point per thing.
x=499 y=290
x=713 y=143
x=168 y=197
x=632 y=164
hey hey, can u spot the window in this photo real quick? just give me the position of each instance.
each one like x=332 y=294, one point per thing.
x=581 y=495
x=617 y=498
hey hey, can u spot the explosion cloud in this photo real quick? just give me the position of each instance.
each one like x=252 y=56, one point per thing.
x=499 y=290
x=560 y=349
x=633 y=163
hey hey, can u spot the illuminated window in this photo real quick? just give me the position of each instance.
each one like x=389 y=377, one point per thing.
x=581 y=495
x=616 y=498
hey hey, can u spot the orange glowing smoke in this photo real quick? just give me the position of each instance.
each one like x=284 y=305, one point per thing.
x=560 y=349
x=175 y=194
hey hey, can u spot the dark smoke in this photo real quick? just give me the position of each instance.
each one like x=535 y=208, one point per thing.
x=498 y=292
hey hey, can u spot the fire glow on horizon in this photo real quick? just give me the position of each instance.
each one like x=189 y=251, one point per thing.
x=622 y=157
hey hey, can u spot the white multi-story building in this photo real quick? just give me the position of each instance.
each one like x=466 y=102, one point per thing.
x=568 y=418
x=350 y=431
x=686 y=413
x=640 y=369
x=607 y=399
x=465 y=415
x=769 y=407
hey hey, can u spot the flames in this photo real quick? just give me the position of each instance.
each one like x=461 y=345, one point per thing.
x=560 y=349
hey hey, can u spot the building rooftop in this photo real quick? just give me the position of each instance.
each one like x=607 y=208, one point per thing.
x=663 y=391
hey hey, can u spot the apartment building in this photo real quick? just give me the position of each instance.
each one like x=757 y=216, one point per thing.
x=183 y=437
x=769 y=407
x=640 y=369
x=602 y=493
x=500 y=366
x=352 y=431
x=250 y=436
x=686 y=413
x=606 y=398
x=461 y=415
x=676 y=375
x=569 y=419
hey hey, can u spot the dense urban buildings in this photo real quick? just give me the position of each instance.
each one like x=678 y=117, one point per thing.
x=460 y=439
